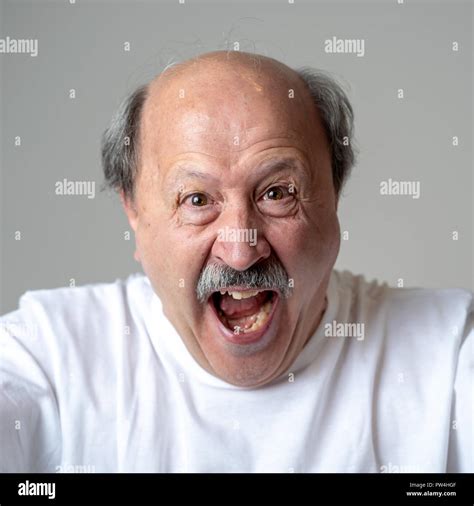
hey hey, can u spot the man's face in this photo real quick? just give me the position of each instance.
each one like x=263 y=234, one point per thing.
x=235 y=173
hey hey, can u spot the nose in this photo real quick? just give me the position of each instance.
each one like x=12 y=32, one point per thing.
x=239 y=241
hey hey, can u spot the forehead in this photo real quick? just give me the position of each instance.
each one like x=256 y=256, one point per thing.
x=221 y=109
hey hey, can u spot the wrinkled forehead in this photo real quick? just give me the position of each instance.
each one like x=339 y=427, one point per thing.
x=217 y=105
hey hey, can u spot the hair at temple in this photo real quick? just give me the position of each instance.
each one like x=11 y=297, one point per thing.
x=120 y=139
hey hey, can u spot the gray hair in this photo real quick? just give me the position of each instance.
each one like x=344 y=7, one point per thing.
x=120 y=157
x=268 y=274
x=338 y=120
x=120 y=150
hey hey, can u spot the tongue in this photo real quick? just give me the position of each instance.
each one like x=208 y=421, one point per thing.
x=244 y=307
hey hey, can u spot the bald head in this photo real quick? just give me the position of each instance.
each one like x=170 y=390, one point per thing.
x=239 y=64
x=230 y=76
x=215 y=104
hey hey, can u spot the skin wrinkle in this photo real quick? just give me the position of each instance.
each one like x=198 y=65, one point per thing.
x=227 y=96
x=184 y=171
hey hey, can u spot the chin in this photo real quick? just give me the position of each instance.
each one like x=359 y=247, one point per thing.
x=250 y=363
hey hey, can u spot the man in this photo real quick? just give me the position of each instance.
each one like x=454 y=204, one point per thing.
x=241 y=349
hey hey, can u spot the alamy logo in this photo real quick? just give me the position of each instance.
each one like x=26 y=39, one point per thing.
x=14 y=46
x=20 y=329
x=396 y=468
x=75 y=468
x=228 y=234
x=349 y=46
x=391 y=187
x=27 y=488
x=66 y=187
x=335 y=329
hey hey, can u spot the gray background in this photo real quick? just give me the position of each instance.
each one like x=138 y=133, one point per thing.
x=81 y=46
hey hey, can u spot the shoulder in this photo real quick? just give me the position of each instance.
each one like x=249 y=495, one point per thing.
x=358 y=285
x=414 y=361
x=71 y=304
x=89 y=294
x=413 y=314
x=438 y=303
x=63 y=332
x=85 y=315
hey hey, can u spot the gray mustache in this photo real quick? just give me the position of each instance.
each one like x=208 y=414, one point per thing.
x=267 y=275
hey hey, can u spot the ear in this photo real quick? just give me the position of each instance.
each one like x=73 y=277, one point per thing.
x=130 y=210
x=132 y=215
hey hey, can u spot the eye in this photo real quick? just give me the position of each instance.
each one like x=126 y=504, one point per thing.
x=278 y=193
x=197 y=199
x=279 y=200
x=274 y=193
x=198 y=208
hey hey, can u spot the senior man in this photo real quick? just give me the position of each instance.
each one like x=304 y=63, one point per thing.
x=233 y=354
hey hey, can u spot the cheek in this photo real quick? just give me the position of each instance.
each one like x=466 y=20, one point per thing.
x=171 y=258
x=153 y=245
x=306 y=246
x=147 y=236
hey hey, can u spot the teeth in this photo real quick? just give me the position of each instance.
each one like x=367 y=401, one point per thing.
x=254 y=323
x=258 y=320
x=261 y=317
x=240 y=295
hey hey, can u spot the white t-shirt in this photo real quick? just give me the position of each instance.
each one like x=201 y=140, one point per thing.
x=96 y=378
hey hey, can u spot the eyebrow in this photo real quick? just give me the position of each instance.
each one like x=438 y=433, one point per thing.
x=263 y=169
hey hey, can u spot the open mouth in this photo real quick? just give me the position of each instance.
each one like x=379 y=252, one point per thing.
x=244 y=312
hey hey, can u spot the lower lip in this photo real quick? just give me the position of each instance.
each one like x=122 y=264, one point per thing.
x=247 y=337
